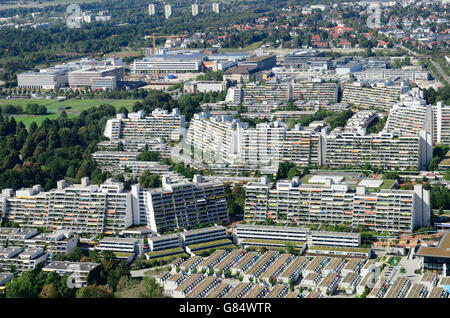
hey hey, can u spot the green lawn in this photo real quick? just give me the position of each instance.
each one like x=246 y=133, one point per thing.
x=247 y=48
x=73 y=107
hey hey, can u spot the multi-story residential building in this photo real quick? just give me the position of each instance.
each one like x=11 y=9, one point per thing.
x=213 y=138
x=123 y=247
x=361 y=120
x=254 y=92
x=274 y=142
x=78 y=271
x=195 y=9
x=374 y=96
x=442 y=123
x=316 y=91
x=411 y=115
x=19 y=260
x=386 y=150
x=217 y=7
x=83 y=208
x=152 y=9
x=167 y=10
x=295 y=234
x=292 y=202
x=185 y=205
x=160 y=124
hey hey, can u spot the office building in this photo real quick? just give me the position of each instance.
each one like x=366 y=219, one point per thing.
x=436 y=258
x=168 y=64
x=97 y=77
x=300 y=58
x=205 y=86
x=51 y=78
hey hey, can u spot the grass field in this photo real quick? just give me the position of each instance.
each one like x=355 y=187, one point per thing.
x=247 y=48
x=73 y=107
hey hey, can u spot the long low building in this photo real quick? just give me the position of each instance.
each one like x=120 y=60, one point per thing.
x=288 y=234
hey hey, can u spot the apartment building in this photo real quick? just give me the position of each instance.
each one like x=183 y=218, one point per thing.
x=244 y=232
x=213 y=139
x=253 y=92
x=19 y=260
x=122 y=247
x=138 y=126
x=186 y=205
x=379 y=95
x=317 y=90
x=442 y=123
x=83 y=208
x=164 y=242
x=294 y=203
x=78 y=271
x=386 y=150
x=274 y=142
x=205 y=86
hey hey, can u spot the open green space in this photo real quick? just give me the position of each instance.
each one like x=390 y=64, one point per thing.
x=73 y=107
x=247 y=48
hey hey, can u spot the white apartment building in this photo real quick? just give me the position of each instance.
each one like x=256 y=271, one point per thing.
x=295 y=234
x=213 y=139
x=379 y=95
x=411 y=115
x=385 y=150
x=83 y=208
x=442 y=123
x=17 y=259
x=167 y=10
x=184 y=205
x=138 y=126
x=195 y=9
x=78 y=271
x=217 y=7
x=294 y=203
x=152 y=9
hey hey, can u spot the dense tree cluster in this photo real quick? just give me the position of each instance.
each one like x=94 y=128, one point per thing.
x=58 y=148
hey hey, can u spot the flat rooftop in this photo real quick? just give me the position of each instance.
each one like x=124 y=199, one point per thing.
x=441 y=250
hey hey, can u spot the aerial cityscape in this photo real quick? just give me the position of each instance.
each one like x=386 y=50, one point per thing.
x=225 y=149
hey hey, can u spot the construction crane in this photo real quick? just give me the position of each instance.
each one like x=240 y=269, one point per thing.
x=154 y=36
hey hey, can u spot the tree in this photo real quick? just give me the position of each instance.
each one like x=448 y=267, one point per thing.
x=148 y=156
x=150 y=180
x=94 y=291
x=48 y=291
x=22 y=287
x=150 y=289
